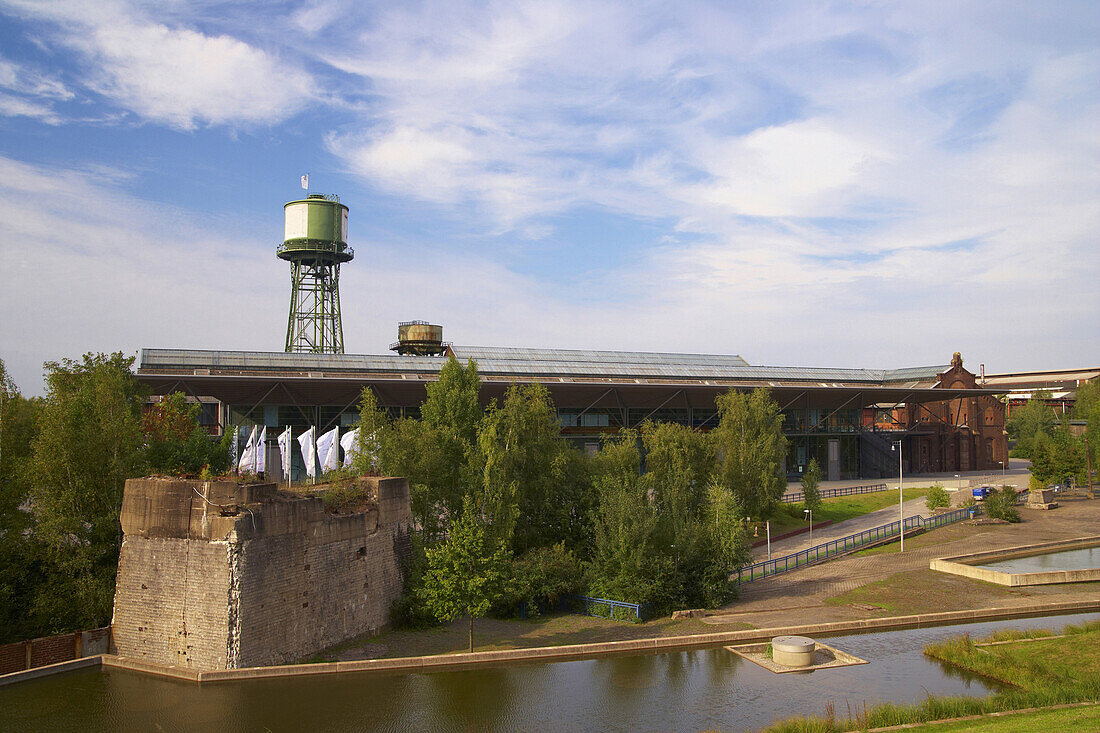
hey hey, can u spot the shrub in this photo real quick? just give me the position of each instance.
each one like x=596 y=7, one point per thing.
x=1001 y=504
x=545 y=574
x=345 y=492
x=937 y=497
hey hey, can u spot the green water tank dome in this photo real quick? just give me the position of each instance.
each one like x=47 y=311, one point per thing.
x=316 y=227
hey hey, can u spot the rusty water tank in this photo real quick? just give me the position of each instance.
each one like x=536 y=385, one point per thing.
x=419 y=338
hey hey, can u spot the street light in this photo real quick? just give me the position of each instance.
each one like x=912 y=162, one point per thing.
x=811 y=513
x=901 y=494
x=1004 y=478
x=958 y=482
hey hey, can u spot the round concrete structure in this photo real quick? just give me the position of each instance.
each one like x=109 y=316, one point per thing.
x=793 y=651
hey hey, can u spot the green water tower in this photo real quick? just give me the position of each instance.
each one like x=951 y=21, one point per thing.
x=315 y=244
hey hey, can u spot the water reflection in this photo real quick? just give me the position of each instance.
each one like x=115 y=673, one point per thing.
x=1080 y=559
x=702 y=689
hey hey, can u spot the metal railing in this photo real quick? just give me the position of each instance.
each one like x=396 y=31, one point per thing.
x=768 y=568
x=798 y=496
x=606 y=608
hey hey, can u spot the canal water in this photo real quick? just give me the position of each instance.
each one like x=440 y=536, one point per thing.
x=684 y=691
x=1080 y=559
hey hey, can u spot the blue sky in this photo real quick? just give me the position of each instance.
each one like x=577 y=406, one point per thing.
x=827 y=184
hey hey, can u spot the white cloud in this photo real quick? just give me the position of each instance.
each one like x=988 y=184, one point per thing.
x=12 y=106
x=91 y=268
x=175 y=75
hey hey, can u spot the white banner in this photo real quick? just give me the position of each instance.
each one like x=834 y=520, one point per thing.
x=284 y=452
x=348 y=443
x=248 y=455
x=259 y=460
x=328 y=449
x=309 y=451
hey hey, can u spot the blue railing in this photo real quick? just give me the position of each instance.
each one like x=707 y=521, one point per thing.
x=606 y=608
x=829 y=493
x=768 y=568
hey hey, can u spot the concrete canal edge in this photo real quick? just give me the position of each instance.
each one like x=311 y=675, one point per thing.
x=467 y=660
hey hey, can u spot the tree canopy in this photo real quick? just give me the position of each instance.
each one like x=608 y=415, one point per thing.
x=1028 y=422
x=467 y=572
x=751 y=448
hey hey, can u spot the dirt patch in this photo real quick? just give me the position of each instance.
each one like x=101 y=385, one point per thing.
x=922 y=591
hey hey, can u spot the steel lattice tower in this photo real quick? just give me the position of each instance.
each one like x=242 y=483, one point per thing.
x=315 y=244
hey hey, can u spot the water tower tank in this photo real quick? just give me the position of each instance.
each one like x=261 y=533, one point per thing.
x=419 y=338
x=316 y=228
x=315 y=243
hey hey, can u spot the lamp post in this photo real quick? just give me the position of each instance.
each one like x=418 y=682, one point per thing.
x=1004 y=473
x=901 y=495
x=811 y=513
x=958 y=482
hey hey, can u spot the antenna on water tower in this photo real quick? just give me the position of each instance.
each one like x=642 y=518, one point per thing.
x=315 y=245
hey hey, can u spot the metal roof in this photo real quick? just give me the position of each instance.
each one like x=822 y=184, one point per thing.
x=910 y=374
x=564 y=364
x=509 y=353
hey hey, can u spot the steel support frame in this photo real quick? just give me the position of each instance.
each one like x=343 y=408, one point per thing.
x=314 y=324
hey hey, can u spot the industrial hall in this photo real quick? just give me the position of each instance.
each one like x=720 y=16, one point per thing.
x=850 y=420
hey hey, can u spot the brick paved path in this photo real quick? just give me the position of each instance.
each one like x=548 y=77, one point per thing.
x=799 y=596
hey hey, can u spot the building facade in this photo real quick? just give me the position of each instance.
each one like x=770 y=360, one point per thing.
x=850 y=420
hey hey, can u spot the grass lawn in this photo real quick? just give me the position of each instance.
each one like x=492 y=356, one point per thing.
x=1065 y=719
x=839 y=508
x=1036 y=673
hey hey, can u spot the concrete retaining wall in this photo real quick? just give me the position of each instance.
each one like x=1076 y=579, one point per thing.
x=965 y=565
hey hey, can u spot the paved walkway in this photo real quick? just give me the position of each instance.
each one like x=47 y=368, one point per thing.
x=913 y=507
x=800 y=595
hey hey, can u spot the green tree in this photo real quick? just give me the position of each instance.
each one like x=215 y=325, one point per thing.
x=466 y=573
x=89 y=442
x=660 y=537
x=176 y=444
x=751 y=447
x=1058 y=457
x=1028 y=422
x=678 y=458
x=734 y=545
x=373 y=425
x=1087 y=398
x=628 y=563
x=452 y=403
x=530 y=491
x=810 y=481
x=21 y=554
x=433 y=452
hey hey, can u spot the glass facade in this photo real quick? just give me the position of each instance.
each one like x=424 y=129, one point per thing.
x=808 y=429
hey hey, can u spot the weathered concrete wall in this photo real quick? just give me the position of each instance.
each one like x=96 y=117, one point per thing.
x=218 y=576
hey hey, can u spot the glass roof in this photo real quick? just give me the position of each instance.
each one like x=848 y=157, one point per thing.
x=561 y=363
